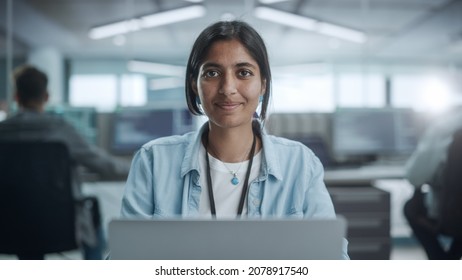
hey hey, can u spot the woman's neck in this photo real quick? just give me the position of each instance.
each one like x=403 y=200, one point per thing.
x=231 y=144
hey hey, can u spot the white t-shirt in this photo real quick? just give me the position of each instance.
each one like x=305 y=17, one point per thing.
x=226 y=195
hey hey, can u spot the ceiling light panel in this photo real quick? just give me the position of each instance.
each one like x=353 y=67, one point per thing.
x=310 y=24
x=285 y=18
x=149 y=21
x=156 y=68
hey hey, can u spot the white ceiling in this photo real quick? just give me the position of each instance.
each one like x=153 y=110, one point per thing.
x=397 y=30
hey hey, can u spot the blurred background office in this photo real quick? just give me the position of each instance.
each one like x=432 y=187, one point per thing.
x=358 y=81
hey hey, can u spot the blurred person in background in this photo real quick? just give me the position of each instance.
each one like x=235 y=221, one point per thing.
x=425 y=167
x=30 y=123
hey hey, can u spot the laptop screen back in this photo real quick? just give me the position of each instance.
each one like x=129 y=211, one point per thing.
x=226 y=239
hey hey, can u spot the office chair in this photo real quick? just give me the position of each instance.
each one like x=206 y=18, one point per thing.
x=451 y=200
x=450 y=206
x=448 y=224
x=37 y=204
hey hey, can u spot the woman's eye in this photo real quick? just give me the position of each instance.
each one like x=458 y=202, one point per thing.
x=245 y=73
x=211 y=74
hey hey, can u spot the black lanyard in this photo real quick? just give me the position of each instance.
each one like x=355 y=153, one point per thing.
x=246 y=181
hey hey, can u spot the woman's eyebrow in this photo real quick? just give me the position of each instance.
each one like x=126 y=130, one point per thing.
x=246 y=64
x=237 y=65
x=211 y=64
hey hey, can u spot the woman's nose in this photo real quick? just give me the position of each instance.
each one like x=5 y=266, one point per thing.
x=228 y=85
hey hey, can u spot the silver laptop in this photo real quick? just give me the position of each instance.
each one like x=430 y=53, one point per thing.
x=226 y=239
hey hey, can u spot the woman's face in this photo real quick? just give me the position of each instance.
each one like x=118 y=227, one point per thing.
x=229 y=85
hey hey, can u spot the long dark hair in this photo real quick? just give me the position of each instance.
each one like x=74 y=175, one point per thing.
x=227 y=30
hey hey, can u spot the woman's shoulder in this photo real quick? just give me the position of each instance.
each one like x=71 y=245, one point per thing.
x=169 y=141
x=284 y=152
x=285 y=143
x=288 y=147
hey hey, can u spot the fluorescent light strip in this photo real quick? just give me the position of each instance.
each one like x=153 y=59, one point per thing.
x=272 y=1
x=315 y=67
x=173 y=16
x=156 y=68
x=285 y=18
x=165 y=83
x=113 y=29
x=148 y=21
x=341 y=32
x=310 y=24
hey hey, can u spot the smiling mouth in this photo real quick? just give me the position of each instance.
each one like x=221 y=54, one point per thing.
x=228 y=106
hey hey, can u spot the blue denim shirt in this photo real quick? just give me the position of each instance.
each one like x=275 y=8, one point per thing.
x=164 y=181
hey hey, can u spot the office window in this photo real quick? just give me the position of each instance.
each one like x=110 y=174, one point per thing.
x=318 y=93
x=133 y=90
x=99 y=91
x=361 y=90
x=303 y=94
x=106 y=92
x=421 y=92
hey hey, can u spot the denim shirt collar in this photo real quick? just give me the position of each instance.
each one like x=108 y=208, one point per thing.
x=270 y=164
x=190 y=161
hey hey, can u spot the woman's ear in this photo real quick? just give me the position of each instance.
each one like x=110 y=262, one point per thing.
x=194 y=89
x=263 y=87
x=194 y=85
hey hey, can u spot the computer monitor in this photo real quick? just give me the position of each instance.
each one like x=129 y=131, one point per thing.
x=373 y=132
x=133 y=127
x=317 y=144
x=83 y=119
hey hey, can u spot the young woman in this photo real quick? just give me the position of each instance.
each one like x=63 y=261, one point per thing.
x=230 y=167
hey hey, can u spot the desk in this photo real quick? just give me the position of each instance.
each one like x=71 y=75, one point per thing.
x=109 y=195
x=389 y=178
x=372 y=206
x=363 y=175
x=367 y=210
x=366 y=207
